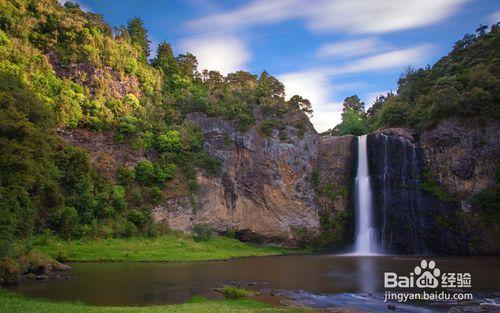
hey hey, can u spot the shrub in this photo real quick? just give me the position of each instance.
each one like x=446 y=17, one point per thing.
x=232 y=292
x=118 y=198
x=138 y=218
x=266 y=128
x=5 y=248
x=130 y=229
x=145 y=171
x=230 y=233
x=212 y=164
x=202 y=232
x=169 y=141
x=67 y=221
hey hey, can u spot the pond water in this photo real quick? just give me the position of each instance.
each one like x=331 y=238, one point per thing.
x=153 y=283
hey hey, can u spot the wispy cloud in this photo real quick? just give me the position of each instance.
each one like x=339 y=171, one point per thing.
x=351 y=48
x=315 y=83
x=225 y=54
x=370 y=97
x=384 y=61
x=494 y=17
x=362 y=16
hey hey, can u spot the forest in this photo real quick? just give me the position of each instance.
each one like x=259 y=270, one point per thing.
x=63 y=68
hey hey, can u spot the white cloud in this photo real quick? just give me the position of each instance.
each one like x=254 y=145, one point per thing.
x=314 y=86
x=225 y=54
x=351 y=48
x=370 y=97
x=381 y=16
x=361 y=16
x=384 y=61
x=494 y=17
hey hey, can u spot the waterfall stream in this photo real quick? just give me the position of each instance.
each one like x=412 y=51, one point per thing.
x=365 y=231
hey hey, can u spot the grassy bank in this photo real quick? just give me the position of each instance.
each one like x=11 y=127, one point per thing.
x=171 y=247
x=14 y=303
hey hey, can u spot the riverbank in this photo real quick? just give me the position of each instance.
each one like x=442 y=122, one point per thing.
x=11 y=302
x=170 y=247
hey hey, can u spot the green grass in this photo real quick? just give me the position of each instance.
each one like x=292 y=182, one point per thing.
x=13 y=303
x=171 y=247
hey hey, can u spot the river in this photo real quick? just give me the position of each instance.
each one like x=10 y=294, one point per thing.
x=319 y=280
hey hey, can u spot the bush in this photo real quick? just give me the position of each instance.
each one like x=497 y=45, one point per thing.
x=169 y=141
x=230 y=233
x=232 y=292
x=145 y=171
x=202 y=232
x=130 y=229
x=125 y=176
x=118 y=198
x=5 y=248
x=138 y=218
x=212 y=164
x=68 y=221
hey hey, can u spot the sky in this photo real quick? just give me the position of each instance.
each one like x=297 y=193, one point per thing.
x=323 y=50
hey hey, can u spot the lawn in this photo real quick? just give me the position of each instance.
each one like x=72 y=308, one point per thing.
x=13 y=303
x=171 y=247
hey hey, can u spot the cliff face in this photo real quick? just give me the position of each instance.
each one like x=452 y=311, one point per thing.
x=422 y=189
x=404 y=212
x=262 y=190
x=461 y=157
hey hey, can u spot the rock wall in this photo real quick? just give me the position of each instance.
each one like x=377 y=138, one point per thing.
x=264 y=190
x=422 y=188
x=462 y=157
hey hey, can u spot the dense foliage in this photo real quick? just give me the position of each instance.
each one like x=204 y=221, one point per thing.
x=465 y=84
x=63 y=68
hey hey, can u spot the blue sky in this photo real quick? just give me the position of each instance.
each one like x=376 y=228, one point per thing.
x=322 y=50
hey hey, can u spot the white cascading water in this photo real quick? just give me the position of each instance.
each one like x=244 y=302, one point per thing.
x=365 y=231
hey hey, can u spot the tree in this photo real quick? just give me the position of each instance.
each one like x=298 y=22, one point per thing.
x=302 y=104
x=481 y=30
x=165 y=60
x=353 y=122
x=188 y=65
x=353 y=102
x=139 y=36
x=269 y=87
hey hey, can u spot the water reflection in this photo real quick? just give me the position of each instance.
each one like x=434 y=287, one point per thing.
x=161 y=283
x=368 y=274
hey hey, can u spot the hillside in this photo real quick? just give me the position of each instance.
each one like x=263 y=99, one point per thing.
x=101 y=139
x=93 y=135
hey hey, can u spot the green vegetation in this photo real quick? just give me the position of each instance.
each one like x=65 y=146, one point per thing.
x=463 y=85
x=63 y=68
x=13 y=303
x=487 y=201
x=231 y=292
x=171 y=247
x=431 y=185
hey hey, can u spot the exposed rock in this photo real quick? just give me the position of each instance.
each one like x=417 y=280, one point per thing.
x=262 y=192
x=92 y=77
x=337 y=166
x=462 y=157
x=406 y=133
x=105 y=153
x=422 y=188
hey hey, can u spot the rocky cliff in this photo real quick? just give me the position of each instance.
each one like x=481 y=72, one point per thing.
x=263 y=190
x=423 y=188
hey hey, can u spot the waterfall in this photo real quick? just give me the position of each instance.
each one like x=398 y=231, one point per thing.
x=365 y=231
